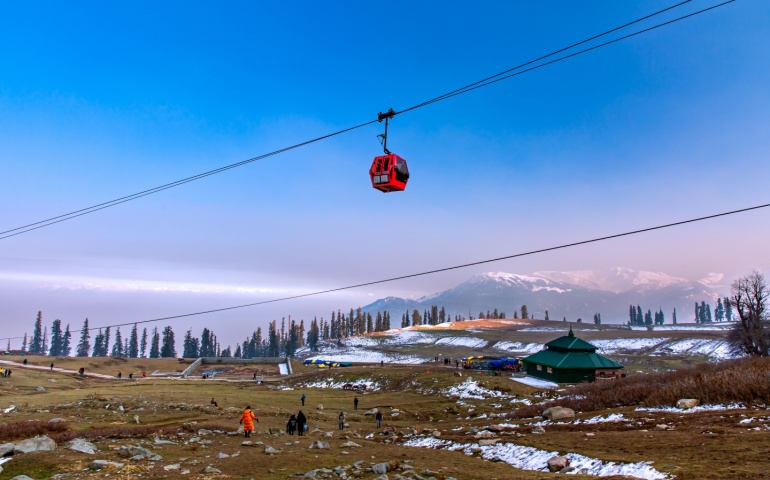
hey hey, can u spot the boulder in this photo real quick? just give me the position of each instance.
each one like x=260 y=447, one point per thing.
x=350 y=445
x=458 y=374
x=487 y=442
x=40 y=389
x=173 y=466
x=37 y=444
x=222 y=455
x=538 y=430
x=135 y=452
x=102 y=464
x=319 y=407
x=211 y=469
x=380 y=468
x=436 y=433
x=557 y=463
x=22 y=477
x=321 y=445
x=6 y=449
x=81 y=445
x=558 y=413
x=685 y=403
x=203 y=431
x=272 y=451
x=160 y=441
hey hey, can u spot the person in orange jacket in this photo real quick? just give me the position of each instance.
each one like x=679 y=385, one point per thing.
x=247 y=419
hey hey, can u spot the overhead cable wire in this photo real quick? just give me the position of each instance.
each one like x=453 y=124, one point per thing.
x=437 y=270
x=473 y=86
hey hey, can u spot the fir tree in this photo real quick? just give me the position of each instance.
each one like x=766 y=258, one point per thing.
x=546 y=315
x=416 y=319
x=237 y=353
x=133 y=344
x=190 y=345
x=106 y=348
x=728 y=310
x=673 y=317
x=36 y=345
x=155 y=344
x=648 y=318
x=117 y=347
x=45 y=340
x=57 y=339
x=226 y=353
x=598 y=318
x=143 y=346
x=24 y=343
x=524 y=312
x=168 y=348
x=67 y=347
x=100 y=350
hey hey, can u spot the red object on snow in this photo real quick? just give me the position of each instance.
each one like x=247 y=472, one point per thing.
x=389 y=173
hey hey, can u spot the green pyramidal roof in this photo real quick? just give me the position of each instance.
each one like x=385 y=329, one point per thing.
x=572 y=343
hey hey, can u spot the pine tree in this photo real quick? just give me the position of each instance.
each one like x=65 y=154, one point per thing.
x=205 y=344
x=190 y=345
x=237 y=353
x=708 y=313
x=631 y=315
x=697 y=313
x=143 y=346
x=57 y=339
x=45 y=340
x=168 y=348
x=67 y=346
x=24 y=343
x=598 y=318
x=155 y=344
x=673 y=317
x=106 y=348
x=100 y=350
x=728 y=310
x=416 y=319
x=117 y=347
x=36 y=345
x=546 y=315
x=702 y=315
x=719 y=311
x=226 y=353
x=524 y=312
x=133 y=344
x=648 y=318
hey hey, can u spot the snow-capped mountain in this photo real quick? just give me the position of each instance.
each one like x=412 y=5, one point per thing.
x=573 y=295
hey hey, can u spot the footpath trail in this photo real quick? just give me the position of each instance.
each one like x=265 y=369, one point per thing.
x=56 y=369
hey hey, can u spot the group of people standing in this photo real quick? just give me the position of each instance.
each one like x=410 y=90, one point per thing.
x=297 y=423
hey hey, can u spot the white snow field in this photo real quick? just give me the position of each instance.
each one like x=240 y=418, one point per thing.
x=330 y=382
x=611 y=346
x=530 y=458
x=535 y=382
x=699 y=408
x=518 y=347
x=470 y=389
x=471 y=342
x=360 y=355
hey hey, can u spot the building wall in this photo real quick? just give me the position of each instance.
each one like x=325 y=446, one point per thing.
x=560 y=375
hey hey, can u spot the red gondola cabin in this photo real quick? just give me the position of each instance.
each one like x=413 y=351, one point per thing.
x=389 y=173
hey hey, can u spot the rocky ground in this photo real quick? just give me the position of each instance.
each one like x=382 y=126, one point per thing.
x=436 y=425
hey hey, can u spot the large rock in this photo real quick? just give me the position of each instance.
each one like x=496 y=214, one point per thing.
x=557 y=463
x=102 y=464
x=37 y=444
x=685 y=403
x=211 y=469
x=22 y=477
x=558 y=413
x=380 y=468
x=271 y=451
x=321 y=444
x=6 y=449
x=135 y=452
x=487 y=442
x=81 y=445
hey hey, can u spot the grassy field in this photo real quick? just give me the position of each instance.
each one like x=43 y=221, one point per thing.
x=709 y=444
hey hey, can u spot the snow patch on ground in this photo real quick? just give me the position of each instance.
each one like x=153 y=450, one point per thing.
x=699 y=408
x=614 y=417
x=535 y=382
x=470 y=389
x=718 y=349
x=331 y=382
x=360 y=355
x=615 y=345
x=409 y=337
x=684 y=327
x=283 y=369
x=530 y=458
x=518 y=347
x=471 y=342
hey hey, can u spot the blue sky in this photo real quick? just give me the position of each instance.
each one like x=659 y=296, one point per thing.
x=99 y=100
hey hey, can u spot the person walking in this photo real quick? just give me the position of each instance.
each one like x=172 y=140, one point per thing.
x=247 y=419
x=303 y=399
x=355 y=403
x=301 y=422
x=120 y=375
x=51 y=365
x=341 y=420
x=291 y=425
x=378 y=417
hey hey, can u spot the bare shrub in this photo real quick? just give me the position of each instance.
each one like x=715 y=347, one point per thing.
x=740 y=381
x=13 y=430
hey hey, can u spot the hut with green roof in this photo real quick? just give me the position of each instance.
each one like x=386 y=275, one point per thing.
x=569 y=359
